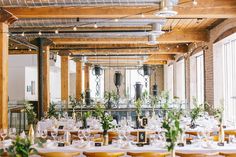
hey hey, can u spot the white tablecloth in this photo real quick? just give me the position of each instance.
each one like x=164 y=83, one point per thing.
x=188 y=148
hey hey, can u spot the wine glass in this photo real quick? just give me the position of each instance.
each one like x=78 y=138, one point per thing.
x=81 y=136
x=12 y=132
x=200 y=135
x=3 y=133
x=44 y=134
x=86 y=134
x=54 y=133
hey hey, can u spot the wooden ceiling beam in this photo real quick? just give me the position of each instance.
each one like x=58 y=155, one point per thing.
x=173 y=37
x=204 y=9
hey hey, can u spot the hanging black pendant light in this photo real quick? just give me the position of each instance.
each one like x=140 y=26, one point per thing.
x=154 y=90
x=138 y=90
x=97 y=71
x=118 y=80
x=145 y=71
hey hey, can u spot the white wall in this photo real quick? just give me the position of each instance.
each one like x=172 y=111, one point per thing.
x=55 y=84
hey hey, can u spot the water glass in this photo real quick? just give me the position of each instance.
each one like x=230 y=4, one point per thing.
x=44 y=134
x=3 y=133
x=54 y=133
x=12 y=132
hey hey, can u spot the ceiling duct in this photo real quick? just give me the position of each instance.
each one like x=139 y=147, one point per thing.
x=157 y=29
x=152 y=39
x=166 y=8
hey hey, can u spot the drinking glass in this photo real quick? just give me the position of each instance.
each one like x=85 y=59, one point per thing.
x=54 y=133
x=81 y=136
x=12 y=132
x=3 y=133
x=86 y=134
x=44 y=134
x=200 y=135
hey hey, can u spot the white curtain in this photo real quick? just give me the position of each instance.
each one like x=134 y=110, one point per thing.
x=180 y=79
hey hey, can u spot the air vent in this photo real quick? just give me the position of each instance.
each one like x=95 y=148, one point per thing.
x=152 y=39
x=157 y=29
x=166 y=8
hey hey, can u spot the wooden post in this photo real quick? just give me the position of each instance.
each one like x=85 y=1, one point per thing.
x=64 y=78
x=46 y=78
x=3 y=75
x=78 y=80
x=6 y=19
x=86 y=77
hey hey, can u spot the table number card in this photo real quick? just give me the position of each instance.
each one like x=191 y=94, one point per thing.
x=142 y=137
x=60 y=127
x=144 y=121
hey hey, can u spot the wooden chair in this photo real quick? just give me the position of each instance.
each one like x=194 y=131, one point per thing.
x=60 y=154
x=228 y=154
x=103 y=154
x=148 y=154
x=180 y=154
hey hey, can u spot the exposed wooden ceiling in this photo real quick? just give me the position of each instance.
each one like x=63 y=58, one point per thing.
x=128 y=35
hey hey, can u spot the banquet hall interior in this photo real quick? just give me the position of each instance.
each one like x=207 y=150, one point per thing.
x=110 y=78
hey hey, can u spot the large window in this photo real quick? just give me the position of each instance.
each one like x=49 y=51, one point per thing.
x=169 y=79
x=180 y=79
x=132 y=76
x=197 y=77
x=225 y=76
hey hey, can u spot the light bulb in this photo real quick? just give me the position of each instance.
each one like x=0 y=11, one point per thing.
x=40 y=33
x=194 y=2
x=74 y=28
x=116 y=20
x=56 y=31
x=95 y=25
x=142 y=15
x=23 y=34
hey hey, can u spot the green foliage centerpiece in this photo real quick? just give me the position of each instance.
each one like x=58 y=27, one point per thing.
x=195 y=113
x=21 y=147
x=105 y=120
x=171 y=126
x=138 y=109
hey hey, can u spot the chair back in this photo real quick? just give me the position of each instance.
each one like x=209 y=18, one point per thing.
x=103 y=154
x=196 y=154
x=60 y=154
x=228 y=154
x=148 y=154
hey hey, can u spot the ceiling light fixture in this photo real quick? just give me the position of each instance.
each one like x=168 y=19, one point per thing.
x=40 y=33
x=166 y=8
x=30 y=50
x=142 y=15
x=116 y=20
x=23 y=34
x=95 y=25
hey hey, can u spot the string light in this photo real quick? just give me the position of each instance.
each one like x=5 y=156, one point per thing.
x=29 y=49
x=23 y=34
x=56 y=31
x=16 y=47
x=75 y=28
x=95 y=25
x=116 y=20
x=142 y=15
x=195 y=2
x=40 y=33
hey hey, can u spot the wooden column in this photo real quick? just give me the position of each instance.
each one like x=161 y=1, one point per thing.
x=86 y=77
x=6 y=19
x=78 y=80
x=64 y=78
x=46 y=78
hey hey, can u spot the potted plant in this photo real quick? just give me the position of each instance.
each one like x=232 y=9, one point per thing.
x=138 y=109
x=31 y=118
x=74 y=104
x=21 y=147
x=105 y=120
x=154 y=102
x=171 y=126
x=195 y=113
x=219 y=115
